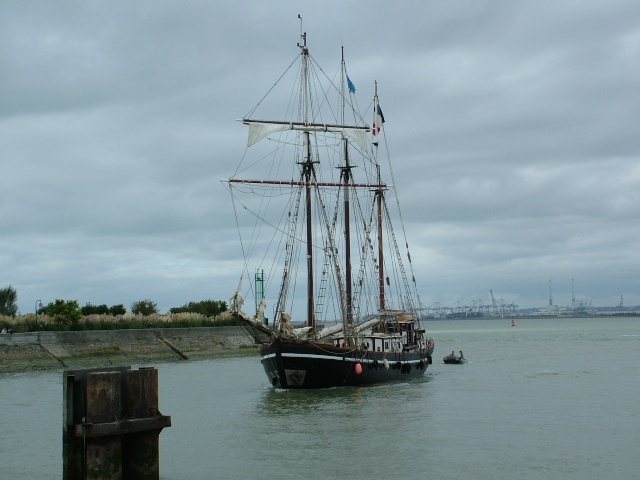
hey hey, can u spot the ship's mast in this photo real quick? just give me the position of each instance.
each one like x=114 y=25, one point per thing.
x=307 y=176
x=379 y=198
x=346 y=177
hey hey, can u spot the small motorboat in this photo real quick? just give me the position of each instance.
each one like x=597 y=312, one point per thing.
x=453 y=358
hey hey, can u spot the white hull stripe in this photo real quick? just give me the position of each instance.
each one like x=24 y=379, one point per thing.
x=331 y=357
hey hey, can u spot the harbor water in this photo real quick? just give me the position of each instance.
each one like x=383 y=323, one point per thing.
x=547 y=398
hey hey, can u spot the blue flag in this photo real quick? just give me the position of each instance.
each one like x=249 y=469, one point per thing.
x=352 y=87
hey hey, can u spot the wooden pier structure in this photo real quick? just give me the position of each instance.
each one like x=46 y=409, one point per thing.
x=112 y=424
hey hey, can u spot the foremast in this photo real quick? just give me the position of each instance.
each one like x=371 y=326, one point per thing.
x=308 y=174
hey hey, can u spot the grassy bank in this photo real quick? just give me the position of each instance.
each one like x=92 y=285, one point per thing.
x=43 y=323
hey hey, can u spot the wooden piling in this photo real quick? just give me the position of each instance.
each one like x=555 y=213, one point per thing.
x=112 y=424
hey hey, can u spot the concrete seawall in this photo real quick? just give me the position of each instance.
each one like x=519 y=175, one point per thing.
x=97 y=348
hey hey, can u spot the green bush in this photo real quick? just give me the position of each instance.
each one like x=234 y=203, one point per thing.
x=64 y=311
x=208 y=308
x=8 y=301
x=144 y=307
x=129 y=321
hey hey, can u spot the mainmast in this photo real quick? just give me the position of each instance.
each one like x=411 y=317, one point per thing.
x=346 y=176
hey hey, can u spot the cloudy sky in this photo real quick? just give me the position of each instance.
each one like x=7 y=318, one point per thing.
x=514 y=128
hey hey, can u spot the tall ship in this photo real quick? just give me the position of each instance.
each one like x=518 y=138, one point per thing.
x=336 y=301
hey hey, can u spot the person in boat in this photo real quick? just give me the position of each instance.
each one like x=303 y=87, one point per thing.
x=461 y=355
x=452 y=355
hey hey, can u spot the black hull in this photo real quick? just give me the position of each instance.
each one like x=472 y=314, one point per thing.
x=303 y=365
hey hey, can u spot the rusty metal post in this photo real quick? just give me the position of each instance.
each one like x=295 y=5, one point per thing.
x=112 y=424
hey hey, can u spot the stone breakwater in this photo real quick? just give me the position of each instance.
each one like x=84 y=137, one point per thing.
x=100 y=348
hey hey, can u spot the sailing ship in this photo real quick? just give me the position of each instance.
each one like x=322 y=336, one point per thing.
x=346 y=311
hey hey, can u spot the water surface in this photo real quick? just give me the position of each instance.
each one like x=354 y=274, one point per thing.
x=549 y=398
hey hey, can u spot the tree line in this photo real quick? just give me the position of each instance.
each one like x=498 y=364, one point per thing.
x=69 y=311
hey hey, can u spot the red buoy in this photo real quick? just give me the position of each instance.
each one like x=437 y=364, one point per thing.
x=358 y=369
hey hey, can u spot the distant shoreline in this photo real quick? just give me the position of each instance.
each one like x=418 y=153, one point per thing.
x=534 y=316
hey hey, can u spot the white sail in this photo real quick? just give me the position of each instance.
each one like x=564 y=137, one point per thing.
x=259 y=130
x=359 y=135
x=237 y=300
x=260 y=312
x=325 y=332
x=368 y=324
